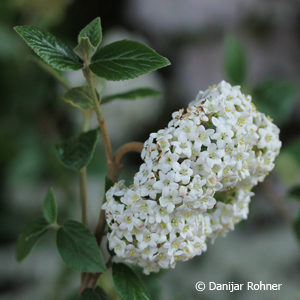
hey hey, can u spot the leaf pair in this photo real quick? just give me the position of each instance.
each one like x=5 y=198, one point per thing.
x=120 y=60
x=75 y=242
x=38 y=227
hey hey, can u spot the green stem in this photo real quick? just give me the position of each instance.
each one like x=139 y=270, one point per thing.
x=83 y=196
x=83 y=181
x=106 y=140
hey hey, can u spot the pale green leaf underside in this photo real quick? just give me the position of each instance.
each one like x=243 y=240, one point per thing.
x=49 y=48
x=78 y=97
x=30 y=236
x=85 y=50
x=78 y=248
x=128 y=285
x=49 y=207
x=92 y=31
x=77 y=152
x=132 y=95
x=125 y=60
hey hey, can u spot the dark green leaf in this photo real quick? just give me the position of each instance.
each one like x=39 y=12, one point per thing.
x=100 y=292
x=132 y=95
x=96 y=294
x=85 y=50
x=79 y=97
x=49 y=48
x=50 y=208
x=125 y=60
x=296 y=226
x=78 y=248
x=77 y=152
x=108 y=183
x=128 y=284
x=93 y=32
x=89 y=294
x=55 y=73
x=276 y=98
x=235 y=61
x=30 y=236
x=295 y=192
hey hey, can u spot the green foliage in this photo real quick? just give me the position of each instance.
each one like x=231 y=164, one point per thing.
x=93 y=32
x=84 y=49
x=50 y=208
x=30 y=236
x=296 y=226
x=235 y=61
x=125 y=60
x=77 y=152
x=295 y=192
x=276 y=98
x=49 y=48
x=78 y=248
x=108 y=183
x=128 y=285
x=79 y=97
x=132 y=95
x=96 y=294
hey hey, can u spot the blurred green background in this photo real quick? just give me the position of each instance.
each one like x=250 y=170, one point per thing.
x=255 y=43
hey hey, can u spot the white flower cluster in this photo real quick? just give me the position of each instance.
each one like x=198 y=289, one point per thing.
x=195 y=182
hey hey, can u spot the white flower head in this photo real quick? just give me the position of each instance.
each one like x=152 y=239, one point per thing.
x=196 y=180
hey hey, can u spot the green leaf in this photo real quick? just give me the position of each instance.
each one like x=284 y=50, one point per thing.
x=100 y=292
x=125 y=60
x=276 y=98
x=132 y=95
x=128 y=284
x=78 y=248
x=93 y=32
x=30 y=236
x=77 y=152
x=49 y=48
x=85 y=50
x=96 y=294
x=296 y=226
x=50 y=208
x=235 y=61
x=78 y=97
x=55 y=73
x=89 y=294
